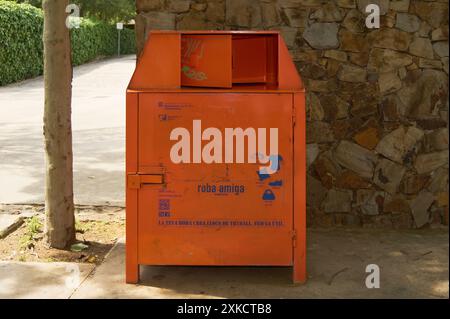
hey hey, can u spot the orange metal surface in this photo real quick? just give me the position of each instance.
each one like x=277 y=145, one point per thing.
x=206 y=60
x=196 y=193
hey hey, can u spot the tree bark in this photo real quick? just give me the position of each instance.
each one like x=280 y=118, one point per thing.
x=59 y=207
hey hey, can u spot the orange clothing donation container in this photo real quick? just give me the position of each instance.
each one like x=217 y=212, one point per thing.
x=215 y=153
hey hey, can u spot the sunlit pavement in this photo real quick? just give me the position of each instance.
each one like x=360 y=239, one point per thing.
x=412 y=264
x=98 y=120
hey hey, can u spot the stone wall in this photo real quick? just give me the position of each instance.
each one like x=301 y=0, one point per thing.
x=377 y=99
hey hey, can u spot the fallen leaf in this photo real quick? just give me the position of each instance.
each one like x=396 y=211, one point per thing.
x=92 y=259
x=78 y=247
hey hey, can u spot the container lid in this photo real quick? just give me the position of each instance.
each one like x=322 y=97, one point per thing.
x=215 y=60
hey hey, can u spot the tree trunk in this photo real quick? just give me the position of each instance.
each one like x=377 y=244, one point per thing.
x=59 y=208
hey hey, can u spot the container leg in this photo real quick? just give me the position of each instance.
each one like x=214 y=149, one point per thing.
x=132 y=274
x=299 y=270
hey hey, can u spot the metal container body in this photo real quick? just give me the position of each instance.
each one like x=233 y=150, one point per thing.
x=215 y=176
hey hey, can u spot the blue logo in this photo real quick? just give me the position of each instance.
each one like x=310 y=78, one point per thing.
x=268 y=195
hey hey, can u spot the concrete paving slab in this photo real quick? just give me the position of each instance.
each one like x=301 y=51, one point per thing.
x=412 y=265
x=98 y=123
x=9 y=223
x=30 y=280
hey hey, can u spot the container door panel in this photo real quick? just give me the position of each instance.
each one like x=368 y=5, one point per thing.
x=217 y=213
x=206 y=60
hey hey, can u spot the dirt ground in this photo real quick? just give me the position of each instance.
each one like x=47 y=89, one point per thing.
x=413 y=264
x=98 y=228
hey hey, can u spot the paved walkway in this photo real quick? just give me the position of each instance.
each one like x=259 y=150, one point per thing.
x=35 y=280
x=413 y=264
x=98 y=119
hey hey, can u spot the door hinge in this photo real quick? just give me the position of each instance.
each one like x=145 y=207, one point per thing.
x=294 y=237
x=293 y=117
x=136 y=180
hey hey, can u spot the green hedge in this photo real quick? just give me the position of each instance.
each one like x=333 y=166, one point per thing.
x=21 y=47
x=20 y=42
x=95 y=39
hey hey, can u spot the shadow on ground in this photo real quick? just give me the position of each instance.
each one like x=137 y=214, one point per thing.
x=413 y=264
x=98 y=170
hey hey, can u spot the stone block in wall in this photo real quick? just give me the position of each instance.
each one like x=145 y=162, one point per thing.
x=368 y=135
x=393 y=39
x=312 y=70
x=389 y=82
x=398 y=143
x=312 y=151
x=289 y=36
x=352 y=42
x=300 y=3
x=370 y=202
x=355 y=158
x=354 y=21
x=334 y=108
x=350 y=180
x=421 y=47
x=328 y=12
x=382 y=4
x=440 y=34
x=215 y=12
x=178 y=6
x=407 y=22
x=305 y=55
x=296 y=17
x=439 y=180
x=392 y=109
x=441 y=48
x=424 y=93
x=445 y=66
x=315 y=192
x=149 y=5
x=436 y=140
x=322 y=35
x=326 y=169
x=337 y=201
x=336 y=55
x=430 y=64
x=345 y=129
x=386 y=60
x=270 y=14
x=396 y=204
x=315 y=110
x=347 y=4
x=399 y=5
x=388 y=20
x=362 y=96
x=388 y=175
x=243 y=13
x=435 y=13
x=432 y=123
x=196 y=20
x=323 y=86
x=199 y=6
x=424 y=30
x=146 y=21
x=359 y=58
x=426 y=163
x=413 y=184
x=352 y=73
x=319 y=132
x=419 y=208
